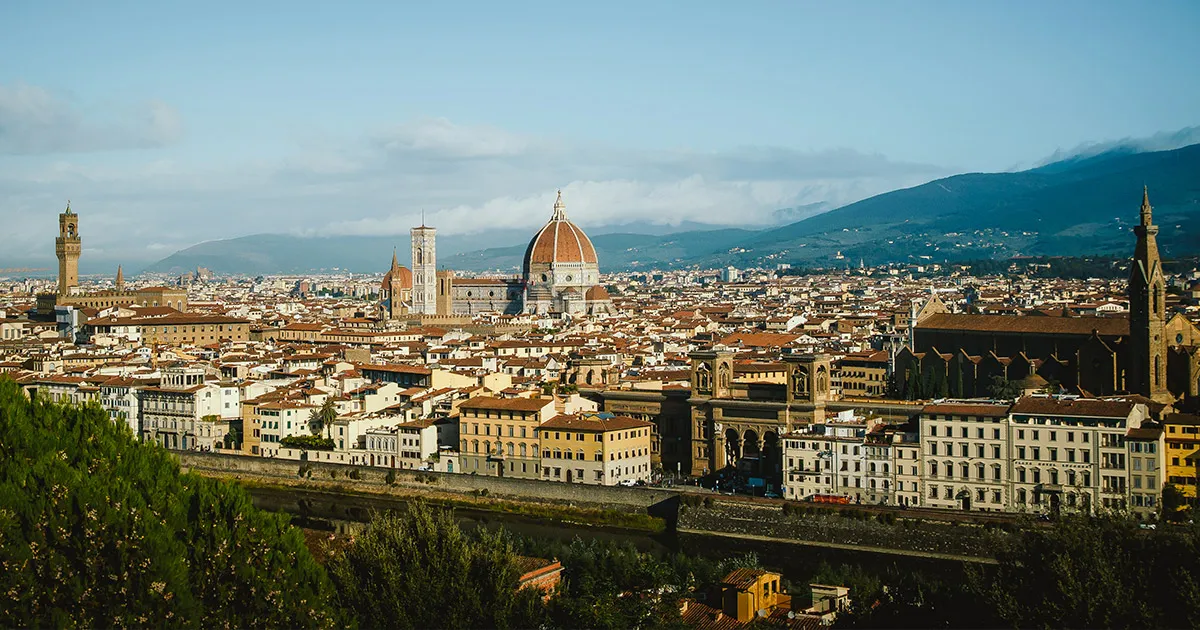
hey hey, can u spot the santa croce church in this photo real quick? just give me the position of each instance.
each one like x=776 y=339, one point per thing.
x=1148 y=353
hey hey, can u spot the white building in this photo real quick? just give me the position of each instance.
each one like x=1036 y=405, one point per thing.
x=830 y=459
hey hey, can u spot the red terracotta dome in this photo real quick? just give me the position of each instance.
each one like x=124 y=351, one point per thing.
x=596 y=293
x=560 y=241
x=403 y=273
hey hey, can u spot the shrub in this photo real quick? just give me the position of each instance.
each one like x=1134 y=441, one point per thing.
x=391 y=477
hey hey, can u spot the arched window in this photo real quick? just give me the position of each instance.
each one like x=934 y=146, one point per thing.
x=475 y=446
x=511 y=449
x=579 y=455
x=523 y=450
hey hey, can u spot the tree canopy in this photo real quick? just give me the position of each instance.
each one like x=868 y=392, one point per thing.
x=98 y=529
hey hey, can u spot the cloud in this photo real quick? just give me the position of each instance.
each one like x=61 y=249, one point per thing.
x=1161 y=141
x=469 y=180
x=34 y=121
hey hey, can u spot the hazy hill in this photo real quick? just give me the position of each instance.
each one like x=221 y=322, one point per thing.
x=1075 y=206
x=1079 y=205
x=281 y=253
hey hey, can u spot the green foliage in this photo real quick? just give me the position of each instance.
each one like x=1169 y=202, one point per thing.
x=416 y=569
x=98 y=530
x=1098 y=573
x=1174 y=503
x=608 y=584
x=1004 y=389
x=307 y=442
x=322 y=418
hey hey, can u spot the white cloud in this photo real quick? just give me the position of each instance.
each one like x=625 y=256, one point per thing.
x=35 y=121
x=467 y=179
x=1161 y=141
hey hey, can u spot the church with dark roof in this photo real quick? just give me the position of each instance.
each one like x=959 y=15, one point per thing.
x=1148 y=353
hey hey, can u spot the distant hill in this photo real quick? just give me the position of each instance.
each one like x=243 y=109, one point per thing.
x=1071 y=207
x=617 y=251
x=1078 y=205
x=281 y=253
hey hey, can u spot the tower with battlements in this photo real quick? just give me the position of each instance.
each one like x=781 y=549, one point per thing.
x=67 y=247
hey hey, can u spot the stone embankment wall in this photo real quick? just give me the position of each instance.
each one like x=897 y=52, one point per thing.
x=842 y=527
x=371 y=478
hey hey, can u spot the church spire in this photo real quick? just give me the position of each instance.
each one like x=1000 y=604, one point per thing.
x=560 y=208
x=395 y=263
x=120 y=279
x=1146 y=209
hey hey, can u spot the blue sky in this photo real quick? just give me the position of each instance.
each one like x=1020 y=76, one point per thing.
x=351 y=117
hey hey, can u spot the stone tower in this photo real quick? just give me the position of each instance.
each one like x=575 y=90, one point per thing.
x=67 y=247
x=424 y=269
x=1147 y=373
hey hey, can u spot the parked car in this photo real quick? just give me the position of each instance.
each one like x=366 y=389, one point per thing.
x=628 y=483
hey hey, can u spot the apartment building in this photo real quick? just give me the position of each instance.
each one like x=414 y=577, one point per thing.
x=830 y=459
x=1071 y=454
x=965 y=455
x=188 y=412
x=497 y=436
x=595 y=448
x=1182 y=449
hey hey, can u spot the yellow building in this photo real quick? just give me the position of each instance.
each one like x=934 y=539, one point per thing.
x=497 y=436
x=595 y=448
x=1183 y=440
x=745 y=592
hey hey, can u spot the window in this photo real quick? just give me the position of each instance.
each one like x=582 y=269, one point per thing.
x=1020 y=452
x=995 y=452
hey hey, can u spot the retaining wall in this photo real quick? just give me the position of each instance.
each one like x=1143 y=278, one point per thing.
x=620 y=498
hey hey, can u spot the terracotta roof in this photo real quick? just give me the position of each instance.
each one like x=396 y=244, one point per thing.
x=399 y=369
x=596 y=293
x=593 y=422
x=506 y=404
x=967 y=409
x=1040 y=406
x=743 y=578
x=560 y=241
x=1107 y=326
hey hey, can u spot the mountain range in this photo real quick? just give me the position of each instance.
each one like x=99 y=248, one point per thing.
x=1075 y=206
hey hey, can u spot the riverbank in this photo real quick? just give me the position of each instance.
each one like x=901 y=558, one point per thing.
x=308 y=498
x=847 y=528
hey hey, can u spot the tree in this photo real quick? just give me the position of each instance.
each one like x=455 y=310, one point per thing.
x=415 y=568
x=323 y=417
x=98 y=529
x=1096 y=573
x=1004 y=389
x=1174 y=503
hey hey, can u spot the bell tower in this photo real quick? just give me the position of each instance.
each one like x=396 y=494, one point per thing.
x=67 y=247
x=1147 y=373
x=424 y=269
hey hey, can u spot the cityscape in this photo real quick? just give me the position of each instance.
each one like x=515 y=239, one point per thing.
x=928 y=397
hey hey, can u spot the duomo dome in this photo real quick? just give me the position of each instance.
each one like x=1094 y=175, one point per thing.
x=560 y=269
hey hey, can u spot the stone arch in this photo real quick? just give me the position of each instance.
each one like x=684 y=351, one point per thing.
x=821 y=386
x=723 y=377
x=750 y=444
x=703 y=377
x=733 y=450
x=800 y=381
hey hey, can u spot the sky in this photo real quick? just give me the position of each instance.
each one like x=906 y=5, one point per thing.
x=170 y=123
